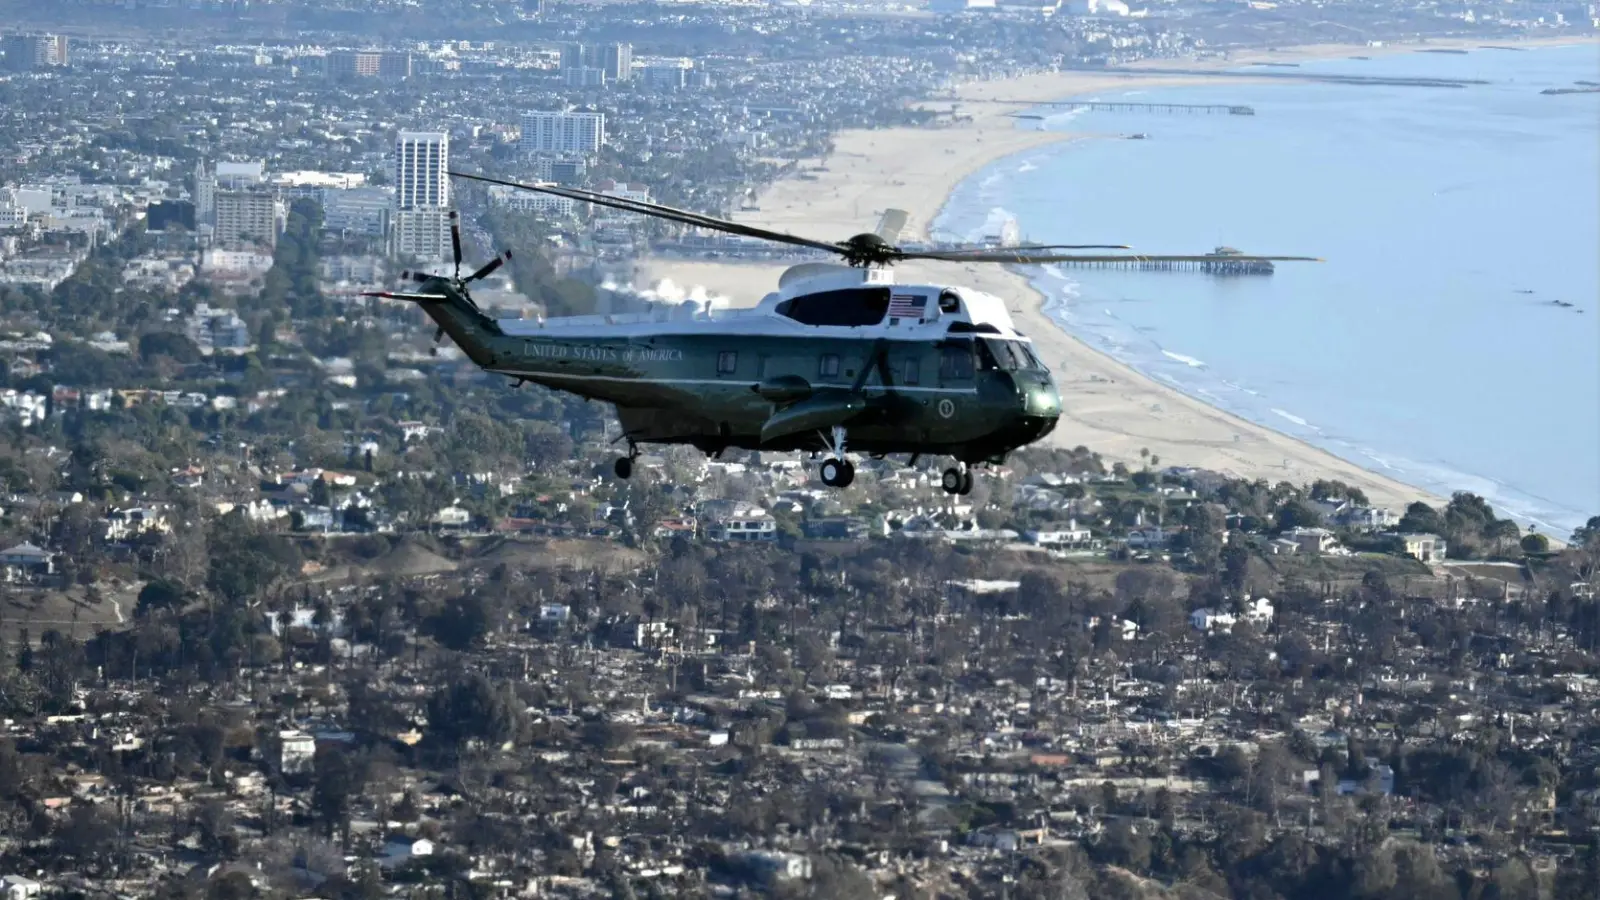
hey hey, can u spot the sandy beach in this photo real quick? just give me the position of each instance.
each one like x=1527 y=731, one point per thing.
x=1107 y=406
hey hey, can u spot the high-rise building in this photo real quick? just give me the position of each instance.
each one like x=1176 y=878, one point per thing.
x=246 y=218
x=357 y=210
x=388 y=65
x=26 y=52
x=584 y=77
x=562 y=132
x=618 y=62
x=422 y=234
x=205 y=194
x=667 y=75
x=421 y=166
x=421 y=225
x=575 y=56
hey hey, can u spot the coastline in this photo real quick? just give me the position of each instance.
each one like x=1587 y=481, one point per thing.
x=1107 y=406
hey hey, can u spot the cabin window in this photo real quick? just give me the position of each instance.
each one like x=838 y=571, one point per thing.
x=850 y=307
x=829 y=367
x=949 y=302
x=727 y=362
x=989 y=358
x=1009 y=356
x=1027 y=354
x=955 y=361
x=909 y=373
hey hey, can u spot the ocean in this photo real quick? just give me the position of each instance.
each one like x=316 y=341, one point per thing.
x=1431 y=345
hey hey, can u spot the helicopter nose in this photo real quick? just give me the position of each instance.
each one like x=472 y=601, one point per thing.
x=1039 y=405
x=1040 y=397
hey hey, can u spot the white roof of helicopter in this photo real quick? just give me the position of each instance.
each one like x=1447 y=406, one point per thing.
x=763 y=319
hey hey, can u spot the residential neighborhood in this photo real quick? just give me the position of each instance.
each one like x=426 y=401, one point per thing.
x=298 y=602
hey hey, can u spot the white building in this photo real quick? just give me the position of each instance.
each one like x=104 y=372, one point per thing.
x=421 y=223
x=421 y=170
x=563 y=132
x=296 y=751
x=1259 y=610
x=528 y=201
x=1209 y=620
x=738 y=521
x=1429 y=548
x=19 y=887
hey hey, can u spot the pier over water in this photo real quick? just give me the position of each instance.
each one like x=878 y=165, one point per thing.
x=1208 y=109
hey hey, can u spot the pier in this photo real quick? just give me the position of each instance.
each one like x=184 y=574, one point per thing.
x=1290 y=72
x=1217 y=263
x=1208 y=109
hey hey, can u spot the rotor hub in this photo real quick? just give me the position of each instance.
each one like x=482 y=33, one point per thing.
x=868 y=249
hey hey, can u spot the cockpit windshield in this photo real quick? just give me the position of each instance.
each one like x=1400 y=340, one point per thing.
x=1008 y=356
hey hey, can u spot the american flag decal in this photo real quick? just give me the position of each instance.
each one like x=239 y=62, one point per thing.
x=906 y=306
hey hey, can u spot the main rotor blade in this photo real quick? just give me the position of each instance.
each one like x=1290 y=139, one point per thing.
x=489 y=267
x=966 y=253
x=455 y=239
x=1036 y=259
x=405 y=295
x=656 y=210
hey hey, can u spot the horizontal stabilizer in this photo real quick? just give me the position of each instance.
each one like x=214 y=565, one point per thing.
x=820 y=411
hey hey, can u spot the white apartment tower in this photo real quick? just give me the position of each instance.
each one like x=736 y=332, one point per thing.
x=562 y=132
x=421 y=223
x=421 y=164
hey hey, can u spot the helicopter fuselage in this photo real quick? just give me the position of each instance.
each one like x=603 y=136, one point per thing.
x=933 y=383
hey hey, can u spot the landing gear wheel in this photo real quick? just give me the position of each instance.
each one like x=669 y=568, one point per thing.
x=624 y=467
x=966 y=483
x=952 y=481
x=838 y=473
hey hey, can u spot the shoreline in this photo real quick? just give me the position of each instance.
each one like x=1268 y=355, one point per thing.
x=1108 y=406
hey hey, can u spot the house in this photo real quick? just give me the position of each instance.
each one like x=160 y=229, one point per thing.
x=401 y=849
x=1071 y=538
x=1126 y=629
x=1149 y=538
x=1380 y=782
x=769 y=865
x=837 y=528
x=17 y=887
x=1366 y=518
x=296 y=750
x=1208 y=620
x=1312 y=540
x=1258 y=611
x=1006 y=840
x=25 y=561
x=122 y=524
x=737 y=521
x=452 y=516
x=1429 y=548
x=670 y=528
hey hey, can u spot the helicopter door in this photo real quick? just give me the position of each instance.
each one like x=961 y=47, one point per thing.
x=955 y=363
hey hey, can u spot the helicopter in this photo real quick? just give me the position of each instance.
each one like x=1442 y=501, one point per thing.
x=839 y=358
